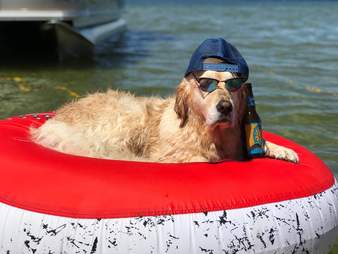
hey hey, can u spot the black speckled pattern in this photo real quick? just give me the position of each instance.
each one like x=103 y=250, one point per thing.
x=295 y=226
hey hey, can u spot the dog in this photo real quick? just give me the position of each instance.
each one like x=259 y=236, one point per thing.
x=195 y=125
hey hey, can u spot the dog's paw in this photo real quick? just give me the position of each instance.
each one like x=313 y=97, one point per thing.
x=281 y=153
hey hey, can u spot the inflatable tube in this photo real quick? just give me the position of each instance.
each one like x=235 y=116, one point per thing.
x=52 y=202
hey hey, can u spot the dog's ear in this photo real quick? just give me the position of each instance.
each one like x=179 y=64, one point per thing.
x=243 y=109
x=182 y=102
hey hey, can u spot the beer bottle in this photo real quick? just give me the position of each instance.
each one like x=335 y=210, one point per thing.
x=253 y=128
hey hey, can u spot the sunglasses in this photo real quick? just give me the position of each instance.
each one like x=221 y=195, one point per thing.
x=209 y=85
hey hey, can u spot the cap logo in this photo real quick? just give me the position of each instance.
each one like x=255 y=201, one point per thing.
x=220 y=67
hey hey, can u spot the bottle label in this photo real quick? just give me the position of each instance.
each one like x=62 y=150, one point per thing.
x=254 y=139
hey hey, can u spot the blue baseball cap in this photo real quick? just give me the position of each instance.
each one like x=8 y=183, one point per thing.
x=219 y=48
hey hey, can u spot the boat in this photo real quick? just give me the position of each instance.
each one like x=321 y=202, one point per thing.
x=71 y=27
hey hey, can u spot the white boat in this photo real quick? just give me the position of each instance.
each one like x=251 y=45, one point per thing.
x=75 y=26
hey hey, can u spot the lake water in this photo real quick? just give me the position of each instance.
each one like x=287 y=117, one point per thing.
x=291 y=49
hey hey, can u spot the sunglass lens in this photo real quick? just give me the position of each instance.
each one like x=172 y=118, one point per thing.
x=234 y=84
x=208 y=85
x=212 y=86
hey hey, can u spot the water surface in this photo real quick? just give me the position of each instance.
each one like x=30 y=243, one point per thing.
x=291 y=49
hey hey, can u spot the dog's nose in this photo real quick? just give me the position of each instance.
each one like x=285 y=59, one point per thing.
x=224 y=107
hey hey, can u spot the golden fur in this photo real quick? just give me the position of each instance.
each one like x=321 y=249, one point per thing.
x=184 y=128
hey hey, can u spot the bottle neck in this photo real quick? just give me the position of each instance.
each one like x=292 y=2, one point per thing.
x=250 y=97
x=251 y=102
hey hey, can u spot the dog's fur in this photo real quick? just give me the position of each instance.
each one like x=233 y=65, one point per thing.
x=185 y=128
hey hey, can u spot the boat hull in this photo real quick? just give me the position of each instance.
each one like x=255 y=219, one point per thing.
x=81 y=13
x=76 y=26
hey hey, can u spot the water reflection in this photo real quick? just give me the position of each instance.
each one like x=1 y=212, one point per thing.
x=32 y=79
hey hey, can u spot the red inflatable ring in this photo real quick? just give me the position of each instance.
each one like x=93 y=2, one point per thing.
x=43 y=181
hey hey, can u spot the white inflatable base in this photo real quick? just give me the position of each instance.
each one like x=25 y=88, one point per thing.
x=305 y=225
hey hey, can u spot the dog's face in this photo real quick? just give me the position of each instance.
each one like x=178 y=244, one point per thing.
x=217 y=106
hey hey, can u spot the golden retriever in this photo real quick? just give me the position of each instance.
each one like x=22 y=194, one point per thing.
x=193 y=126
